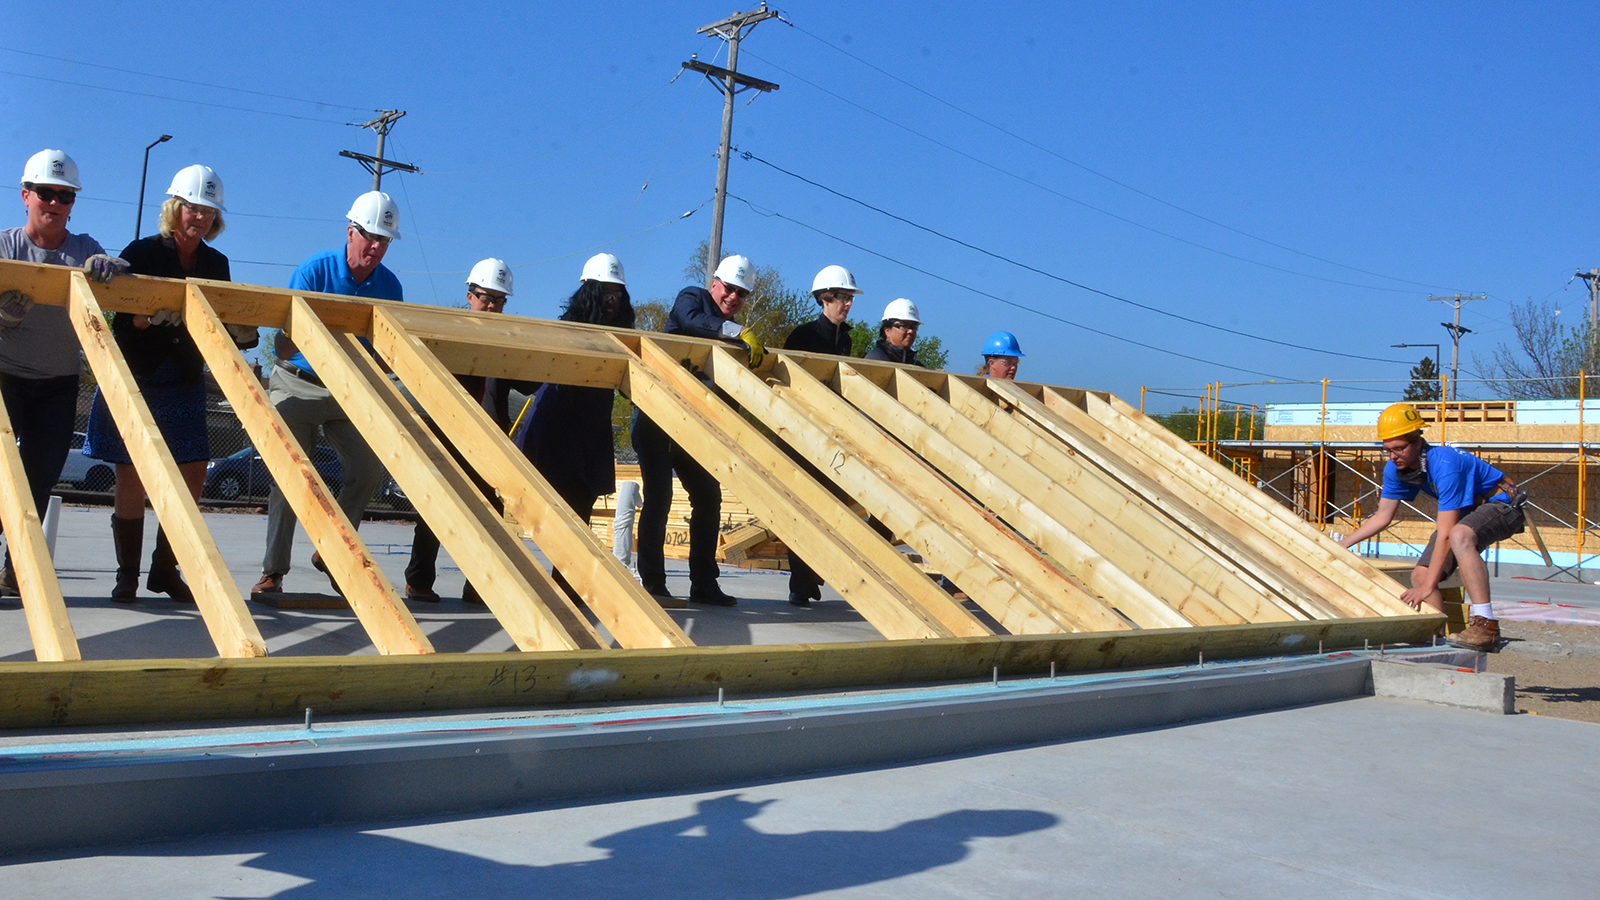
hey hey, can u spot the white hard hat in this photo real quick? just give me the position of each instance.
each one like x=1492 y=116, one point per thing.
x=603 y=267
x=51 y=167
x=736 y=271
x=492 y=274
x=834 y=278
x=198 y=185
x=376 y=213
x=901 y=310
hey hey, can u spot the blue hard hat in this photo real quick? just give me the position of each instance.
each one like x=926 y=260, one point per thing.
x=1002 y=343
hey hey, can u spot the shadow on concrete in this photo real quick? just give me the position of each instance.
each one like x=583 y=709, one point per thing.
x=1562 y=694
x=712 y=853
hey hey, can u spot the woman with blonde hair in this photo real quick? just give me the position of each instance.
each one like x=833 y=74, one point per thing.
x=170 y=373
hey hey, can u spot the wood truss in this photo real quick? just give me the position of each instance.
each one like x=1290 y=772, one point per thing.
x=1055 y=510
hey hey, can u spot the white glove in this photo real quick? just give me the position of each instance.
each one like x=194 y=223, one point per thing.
x=13 y=306
x=244 y=336
x=167 y=317
x=732 y=330
x=103 y=268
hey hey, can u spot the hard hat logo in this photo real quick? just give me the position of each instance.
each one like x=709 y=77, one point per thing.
x=58 y=168
x=210 y=190
x=603 y=267
x=1399 y=420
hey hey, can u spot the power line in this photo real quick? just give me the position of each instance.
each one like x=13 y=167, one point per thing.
x=230 y=214
x=222 y=87
x=1062 y=279
x=1116 y=337
x=97 y=87
x=1122 y=184
x=1074 y=200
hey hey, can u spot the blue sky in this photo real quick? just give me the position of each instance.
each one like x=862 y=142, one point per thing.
x=1309 y=173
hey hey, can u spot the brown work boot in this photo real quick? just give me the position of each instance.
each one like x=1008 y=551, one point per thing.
x=269 y=584
x=1481 y=634
x=416 y=594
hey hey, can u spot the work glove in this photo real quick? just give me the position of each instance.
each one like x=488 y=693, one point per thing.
x=167 y=317
x=758 y=351
x=103 y=268
x=244 y=336
x=13 y=306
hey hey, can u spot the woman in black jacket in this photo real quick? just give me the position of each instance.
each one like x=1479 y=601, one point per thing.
x=169 y=371
x=896 y=333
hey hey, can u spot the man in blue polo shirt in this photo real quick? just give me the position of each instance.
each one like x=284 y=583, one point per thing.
x=305 y=404
x=1478 y=506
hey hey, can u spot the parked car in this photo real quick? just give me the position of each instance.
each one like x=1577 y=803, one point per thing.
x=244 y=475
x=84 y=473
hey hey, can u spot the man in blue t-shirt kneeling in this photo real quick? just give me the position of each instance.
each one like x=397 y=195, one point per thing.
x=1478 y=506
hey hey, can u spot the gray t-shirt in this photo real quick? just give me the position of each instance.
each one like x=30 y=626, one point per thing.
x=44 y=345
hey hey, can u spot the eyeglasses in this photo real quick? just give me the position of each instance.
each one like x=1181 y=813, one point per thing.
x=488 y=298
x=903 y=326
x=197 y=209
x=378 y=239
x=839 y=296
x=59 y=195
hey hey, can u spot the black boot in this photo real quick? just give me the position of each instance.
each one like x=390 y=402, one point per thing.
x=164 y=576
x=127 y=536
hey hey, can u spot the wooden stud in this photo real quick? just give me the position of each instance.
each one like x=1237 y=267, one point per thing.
x=626 y=610
x=534 y=612
x=1358 y=575
x=1114 y=586
x=888 y=591
x=1066 y=601
x=388 y=623
x=42 y=603
x=232 y=630
x=844 y=463
x=1245 y=539
x=76 y=695
x=1169 y=540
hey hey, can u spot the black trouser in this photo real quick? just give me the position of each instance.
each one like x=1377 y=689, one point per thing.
x=423 y=567
x=659 y=457
x=42 y=412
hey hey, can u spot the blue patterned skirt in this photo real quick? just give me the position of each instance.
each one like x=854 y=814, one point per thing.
x=179 y=408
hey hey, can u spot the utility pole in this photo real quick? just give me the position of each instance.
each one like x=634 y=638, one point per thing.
x=1593 y=278
x=730 y=82
x=377 y=164
x=1456 y=331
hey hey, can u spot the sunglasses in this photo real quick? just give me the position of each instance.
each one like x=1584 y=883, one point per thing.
x=904 y=326
x=488 y=298
x=59 y=195
x=378 y=239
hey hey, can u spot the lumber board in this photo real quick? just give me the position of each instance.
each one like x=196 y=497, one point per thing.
x=1119 y=589
x=1069 y=602
x=377 y=606
x=84 y=694
x=1244 y=538
x=49 y=628
x=1158 y=528
x=221 y=607
x=850 y=556
x=536 y=615
x=845 y=464
x=1359 y=575
x=623 y=606
x=1193 y=600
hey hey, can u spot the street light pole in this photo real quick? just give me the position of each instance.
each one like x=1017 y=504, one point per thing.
x=1436 y=353
x=138 y=216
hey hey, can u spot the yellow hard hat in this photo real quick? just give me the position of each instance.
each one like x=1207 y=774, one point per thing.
x=1399 y=420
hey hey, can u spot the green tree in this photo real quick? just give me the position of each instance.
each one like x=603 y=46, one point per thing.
x=1424 y=382
x=651 y=316
x=1185 y=423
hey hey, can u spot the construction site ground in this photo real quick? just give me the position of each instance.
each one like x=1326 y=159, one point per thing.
x=1371 y=797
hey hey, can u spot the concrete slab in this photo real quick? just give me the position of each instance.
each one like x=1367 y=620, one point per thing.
x=156 y=627
x=1448 y=685
x=1359 y=799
